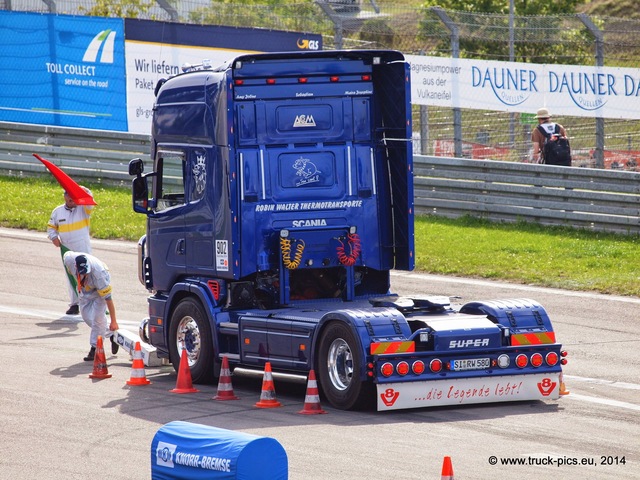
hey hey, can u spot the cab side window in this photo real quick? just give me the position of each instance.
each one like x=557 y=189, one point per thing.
x=170 y=180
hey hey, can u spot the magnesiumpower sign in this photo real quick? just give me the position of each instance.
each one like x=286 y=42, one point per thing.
x=571 y=90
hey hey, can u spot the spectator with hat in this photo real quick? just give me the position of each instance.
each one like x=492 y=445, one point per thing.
x=538 y=138
x=94 y=290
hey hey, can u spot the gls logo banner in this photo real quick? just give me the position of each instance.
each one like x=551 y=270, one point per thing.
x=306 y=44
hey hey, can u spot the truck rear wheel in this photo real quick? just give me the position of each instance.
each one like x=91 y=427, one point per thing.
x=190 y=331
x=339 y=366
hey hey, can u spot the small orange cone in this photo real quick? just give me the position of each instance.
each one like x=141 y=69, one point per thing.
x=447 y=469
x=184 y=383
x=268 y=394
x=225 y=389
x=100 y=369
x=138 y=376
x=312 y=399
x=563 y=388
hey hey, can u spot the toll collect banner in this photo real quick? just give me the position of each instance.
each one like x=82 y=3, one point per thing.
x=71 y=71
x=569 y=90
x=62 y=70
x=156 y=50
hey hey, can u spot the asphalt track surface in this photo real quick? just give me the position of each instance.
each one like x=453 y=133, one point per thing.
x=57 y=423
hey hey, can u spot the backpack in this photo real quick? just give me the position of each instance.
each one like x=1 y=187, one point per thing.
x=556 y=152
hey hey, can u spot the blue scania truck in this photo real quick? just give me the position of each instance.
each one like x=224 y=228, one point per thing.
x=279 y=200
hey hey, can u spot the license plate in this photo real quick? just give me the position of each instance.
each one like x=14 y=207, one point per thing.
x=470 y=364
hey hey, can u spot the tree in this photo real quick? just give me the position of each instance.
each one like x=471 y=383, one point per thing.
x=544 y=31
x=521 y=7
x=118 y=8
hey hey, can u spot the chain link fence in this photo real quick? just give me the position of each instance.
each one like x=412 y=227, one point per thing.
x=561 y=39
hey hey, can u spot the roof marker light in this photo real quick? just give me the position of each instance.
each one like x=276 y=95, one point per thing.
x=366 y=78
x=334 y=78
x=303 y=80
x=238 y=81
x=271 y=81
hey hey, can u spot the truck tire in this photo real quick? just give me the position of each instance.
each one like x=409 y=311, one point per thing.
x=189 y=330
x=339 y=365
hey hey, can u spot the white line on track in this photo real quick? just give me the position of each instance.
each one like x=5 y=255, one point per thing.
x=604 y=401
x=133 y=325
x=513 y=286
x=599 y=381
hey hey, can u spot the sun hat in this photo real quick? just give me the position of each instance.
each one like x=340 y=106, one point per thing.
x=543 y=113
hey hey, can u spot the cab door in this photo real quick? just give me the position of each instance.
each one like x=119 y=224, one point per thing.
x=166 y=233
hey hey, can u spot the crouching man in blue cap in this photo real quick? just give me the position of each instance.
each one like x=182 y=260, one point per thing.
x=94 y=290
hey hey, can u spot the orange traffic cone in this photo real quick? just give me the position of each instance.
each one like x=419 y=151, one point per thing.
x=312 y=399
x=447 y=469
x=225 y=389
x=184 y=384
x=138 y=376
x=100 y=369
x=563 y=388
x=268 y=394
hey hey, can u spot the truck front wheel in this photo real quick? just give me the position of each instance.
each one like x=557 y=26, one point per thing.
x=339 y=365
x=189 y=330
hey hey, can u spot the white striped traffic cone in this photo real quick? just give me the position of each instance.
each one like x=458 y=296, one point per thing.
x=138 y=375
x=225 y=389
x=312 y=399
x=268 y=394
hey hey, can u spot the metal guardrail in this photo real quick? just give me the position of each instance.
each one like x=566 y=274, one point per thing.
x=606 y=200
x=97 y=155
x=596 y=199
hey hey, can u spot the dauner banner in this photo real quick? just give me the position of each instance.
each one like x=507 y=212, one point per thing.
x=62 y=70
x=569 y=90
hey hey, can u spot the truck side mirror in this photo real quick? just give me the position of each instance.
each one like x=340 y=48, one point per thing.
x=136 y=167
x=140 y=190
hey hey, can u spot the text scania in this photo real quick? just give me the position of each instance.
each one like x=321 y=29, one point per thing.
x=317 y=222
x=478 y=342
x=208 y=463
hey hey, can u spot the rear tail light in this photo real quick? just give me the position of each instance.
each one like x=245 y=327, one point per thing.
x=418 y=367
x=402 y=368
x=370 y=367
x=435 y=365
x=536 y=360
x=504 y=360
x=386 y=369
x=551 y=359
x=522 y=360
